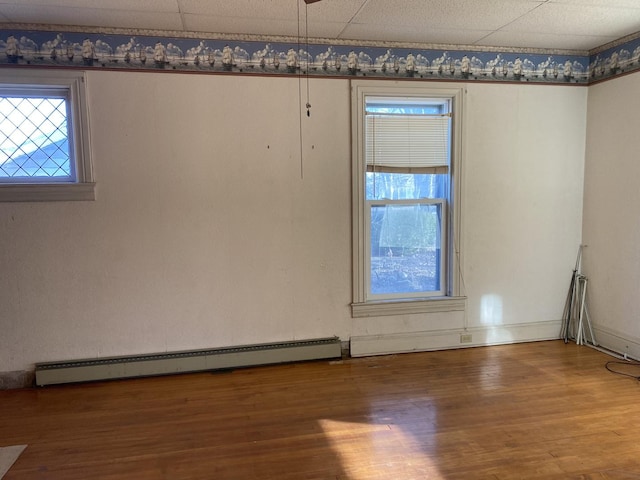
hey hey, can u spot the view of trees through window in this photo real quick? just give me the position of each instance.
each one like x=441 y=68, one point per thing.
x=406 y=220
x=405 y=236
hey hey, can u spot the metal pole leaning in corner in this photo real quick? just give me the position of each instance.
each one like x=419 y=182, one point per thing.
x=576 y=322
x=583 y=316
x=567 y=314
x=588 y=318
x=581 y=296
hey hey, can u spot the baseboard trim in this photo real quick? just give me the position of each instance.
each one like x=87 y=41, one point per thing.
x=367 y=345
x=617 y=342
x=17 y=379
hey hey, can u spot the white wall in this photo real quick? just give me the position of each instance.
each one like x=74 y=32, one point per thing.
x=204 y=234
x=522 y=213
x=612 y=208
x=523 y=204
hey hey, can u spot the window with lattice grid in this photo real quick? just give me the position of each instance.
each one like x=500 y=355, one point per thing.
x=44 y=137
x=34 y=139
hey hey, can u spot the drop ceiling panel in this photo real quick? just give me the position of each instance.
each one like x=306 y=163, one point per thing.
x=548 y=41
x=258 y=26
x=327 y=10
x=390 y=33
x=151 y=6
x=265 y=9
x=232 y=25
x=574 y=19
x=602 y=3
x=444 y=14
x=92 y=17
x=334 y=11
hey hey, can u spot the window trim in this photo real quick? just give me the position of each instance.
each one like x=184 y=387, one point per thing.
x=453 y=300
x=74 y=83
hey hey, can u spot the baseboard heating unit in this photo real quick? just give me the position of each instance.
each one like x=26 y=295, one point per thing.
x=52 y=373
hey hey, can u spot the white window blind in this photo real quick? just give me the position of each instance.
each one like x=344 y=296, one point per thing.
x=407 y=143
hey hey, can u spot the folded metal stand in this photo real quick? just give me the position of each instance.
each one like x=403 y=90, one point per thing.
x=576 y=323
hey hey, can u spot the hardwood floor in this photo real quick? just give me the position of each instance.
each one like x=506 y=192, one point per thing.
x=530 y=411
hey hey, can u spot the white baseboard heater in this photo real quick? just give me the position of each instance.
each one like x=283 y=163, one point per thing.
x=52 y=373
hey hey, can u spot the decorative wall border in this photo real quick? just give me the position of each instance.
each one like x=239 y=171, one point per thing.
x=128 y=50
x=615 y=60
x=44 y=48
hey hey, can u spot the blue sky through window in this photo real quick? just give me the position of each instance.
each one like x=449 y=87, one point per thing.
x=33 y=137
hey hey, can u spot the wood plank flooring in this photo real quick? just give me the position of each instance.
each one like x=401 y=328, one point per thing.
x=541 y=410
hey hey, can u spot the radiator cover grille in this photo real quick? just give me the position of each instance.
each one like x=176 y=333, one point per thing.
x=110 y=368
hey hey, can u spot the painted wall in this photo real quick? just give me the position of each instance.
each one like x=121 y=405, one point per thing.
x=203 y=233
x=522 y=213
x=208 y=229
x=612 y=206
x=524 y=177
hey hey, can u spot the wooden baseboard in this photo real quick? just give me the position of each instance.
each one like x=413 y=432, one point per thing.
x=17 y=379
x=362 y=346
x=617 y=342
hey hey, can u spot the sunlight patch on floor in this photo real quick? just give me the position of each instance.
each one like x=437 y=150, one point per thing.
x=363 y=448
x=8 y=456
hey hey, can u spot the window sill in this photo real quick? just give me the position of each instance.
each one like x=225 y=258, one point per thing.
x=406 y=307
x=47 y=192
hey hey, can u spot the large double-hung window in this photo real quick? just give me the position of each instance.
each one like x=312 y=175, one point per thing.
x=406 y=143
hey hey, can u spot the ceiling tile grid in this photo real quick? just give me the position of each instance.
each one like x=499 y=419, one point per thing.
x=579 y=25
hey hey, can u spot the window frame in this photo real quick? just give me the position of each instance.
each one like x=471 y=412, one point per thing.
x=72 y=84
x=452 y=299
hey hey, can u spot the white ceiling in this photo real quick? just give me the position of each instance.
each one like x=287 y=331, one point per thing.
x=540 y=24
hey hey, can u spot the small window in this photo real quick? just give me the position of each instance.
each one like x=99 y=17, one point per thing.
x=44 y=140
x=406 y=143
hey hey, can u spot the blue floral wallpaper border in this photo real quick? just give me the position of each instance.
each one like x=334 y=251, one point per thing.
x=161 y=53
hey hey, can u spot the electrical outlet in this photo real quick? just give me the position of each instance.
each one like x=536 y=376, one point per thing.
x=466 y=338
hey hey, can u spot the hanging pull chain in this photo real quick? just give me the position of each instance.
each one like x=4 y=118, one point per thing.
x=306 y=37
